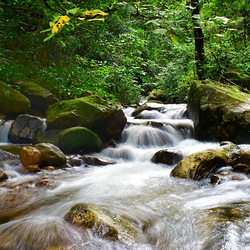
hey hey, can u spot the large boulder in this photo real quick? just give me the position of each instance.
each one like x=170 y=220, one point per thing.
x=199 y=165
x=91 y=112
x=25 y=127
x=76 y=139
x=12 y=101
x=40 y=97
x=220 y=112
x=51 y=155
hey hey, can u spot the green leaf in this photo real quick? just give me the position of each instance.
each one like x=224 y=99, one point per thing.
x=48 y=37
x=72 y=11
x=47 y=30
x=160 y=31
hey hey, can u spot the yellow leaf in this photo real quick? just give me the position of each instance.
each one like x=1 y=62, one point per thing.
x=96 y=19
x=55 y=28
x=81 y=18
x=65 y=18
x=94 y=13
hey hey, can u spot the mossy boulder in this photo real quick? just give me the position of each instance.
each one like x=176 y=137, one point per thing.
x=12 y=101
x=101 y=222
x=51 y=155
x=48 y=136
x=73 y=140
x=199 y=165
x=40 y=97
x=241 y=79
x=92 y=112
x=220 y=112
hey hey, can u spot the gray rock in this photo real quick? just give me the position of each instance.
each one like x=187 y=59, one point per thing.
x=25 y=127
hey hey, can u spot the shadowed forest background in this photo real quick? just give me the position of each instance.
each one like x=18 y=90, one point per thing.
x=137 y=48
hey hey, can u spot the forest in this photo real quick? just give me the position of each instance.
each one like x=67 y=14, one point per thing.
x=123 y=50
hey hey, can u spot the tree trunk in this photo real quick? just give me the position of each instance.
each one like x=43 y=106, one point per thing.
x=199 y=39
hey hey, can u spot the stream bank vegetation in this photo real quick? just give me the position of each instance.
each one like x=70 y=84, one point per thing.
x=122 y=49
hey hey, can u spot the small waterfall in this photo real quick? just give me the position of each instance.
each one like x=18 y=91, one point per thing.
x=4 y=130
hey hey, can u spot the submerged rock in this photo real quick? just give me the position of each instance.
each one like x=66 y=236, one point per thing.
x=167 y=156
x=12 y=101
x=220 y=112
x=3 y=175
x=25 y=127
x=51 y=155
x=91 y=160
x=199 y=165
x=91 y=112
x=76 y=139
x=101 y=222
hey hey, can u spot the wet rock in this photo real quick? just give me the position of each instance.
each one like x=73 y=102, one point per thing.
x=220 y=112
x=12 y=101
x=75 y=162
x=4 y=155
x=40 y=97
x=51 y=155
x=101 y=222
x=76 y=139
x=242 y=164
x=30 y=156
x=33 y=168
x=25 y=127
x=89 y=216
x=167 y=156
x=199 y=165
x=105 y=119
x=91 y=160
x=3 y=175
x=144 y=107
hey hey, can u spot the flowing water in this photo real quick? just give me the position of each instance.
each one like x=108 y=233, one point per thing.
x=167 y=213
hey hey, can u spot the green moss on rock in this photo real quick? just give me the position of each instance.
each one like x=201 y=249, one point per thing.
x=91 y=112
x=73 y=140
x=12 y=101
x=220 y=112
x=40 y=97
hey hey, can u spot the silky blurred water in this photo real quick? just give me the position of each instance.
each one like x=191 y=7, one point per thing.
x=167 y=213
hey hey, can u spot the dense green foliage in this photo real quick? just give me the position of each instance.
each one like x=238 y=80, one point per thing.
x=140 y=46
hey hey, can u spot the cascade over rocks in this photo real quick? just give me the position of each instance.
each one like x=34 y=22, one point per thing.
x=40 y=97
x=12 y=101
x=106 y=120
x=25 y=127
x=219 y=112
x=199 y=165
